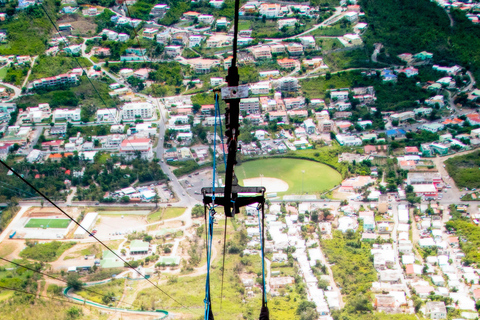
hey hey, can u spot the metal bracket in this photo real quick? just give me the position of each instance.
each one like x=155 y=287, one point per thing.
x=238 y=92
x=255 y=194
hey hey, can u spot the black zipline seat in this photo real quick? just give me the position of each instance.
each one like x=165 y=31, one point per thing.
x=236 y=201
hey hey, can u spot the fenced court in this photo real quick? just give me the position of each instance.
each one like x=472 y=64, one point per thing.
x=47 y=223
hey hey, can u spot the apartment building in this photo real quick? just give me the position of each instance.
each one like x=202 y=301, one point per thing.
x=295 y=49
x=61 y=79
x=141 y=110
x=130 y=147
x=250 y=105
x=286 y=63
x=260 y=87
x=67 y=114
x=263 y=52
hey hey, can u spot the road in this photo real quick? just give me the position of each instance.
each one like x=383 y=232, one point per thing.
x=29 y=72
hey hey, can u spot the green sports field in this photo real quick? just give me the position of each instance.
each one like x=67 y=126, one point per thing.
x=318 y=177
x=47 y=223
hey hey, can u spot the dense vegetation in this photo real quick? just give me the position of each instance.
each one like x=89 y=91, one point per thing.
x=415 y=26
x=390 y=96
x=467 y=230
x=7 y=214
x=352 y=268
x=464 y=170
x=29 y=31
x=45 y=252
x=46 y=66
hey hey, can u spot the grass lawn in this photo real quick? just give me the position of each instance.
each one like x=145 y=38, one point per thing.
x=165 y=213
x=6 y=248
x=47 y=223
x=318 y=177
x=3 y=72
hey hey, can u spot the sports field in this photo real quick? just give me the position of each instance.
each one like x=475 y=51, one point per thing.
x=317 y=177
x=47 y=223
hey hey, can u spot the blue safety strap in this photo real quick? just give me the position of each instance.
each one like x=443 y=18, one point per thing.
x=211 y=213
x=260 y=227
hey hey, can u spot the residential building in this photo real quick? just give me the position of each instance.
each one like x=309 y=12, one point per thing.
x=278 y=116
x=286 y=22
x=206 y=19
x=216 y=81
x=173 y=51
x=203 y=66
x=250 y=105
x=286 y=63
x=339 y=95
x=349 y=141
x=288 y=84
x=308 y=41
x=137 y=110
x=130 y=147
x=159 y=10
x=194 y=40
x=294 y=103
x=109 y=115
x=309 y=126
x=436 y=310
x=277 y=48
x=61 y=79
x=351 y=16
x=67 y=114
x=58 y=129
x=353 y=39
x=142 y=74
x=263 y=52
x=270 y=10
x=404 y=116
x=294 y=49
x=432 y=127
x=409 y=72
x=260 y=87
x=438 y=99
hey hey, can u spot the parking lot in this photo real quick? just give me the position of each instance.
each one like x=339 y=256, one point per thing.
x=193 y=183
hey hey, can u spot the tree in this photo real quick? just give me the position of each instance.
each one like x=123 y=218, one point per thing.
x=156 y=199
x=197 y=211
x=74 y=282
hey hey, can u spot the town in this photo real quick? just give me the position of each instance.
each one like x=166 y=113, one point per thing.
x=365 y=142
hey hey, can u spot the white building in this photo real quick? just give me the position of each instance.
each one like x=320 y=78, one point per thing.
x=34 y=156
x=194 y=40
x=345 y=140
x=67 y=114
x=109 y=115
x=262 y=87
x=137 y=110
x=130 y=147
x=87 y=223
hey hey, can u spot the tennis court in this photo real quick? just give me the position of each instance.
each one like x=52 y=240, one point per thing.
x=47 y=223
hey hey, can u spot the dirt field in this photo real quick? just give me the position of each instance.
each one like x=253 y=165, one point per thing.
x=107 y=225
x=9 y=249
x=271 y=184
x=81 y=25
